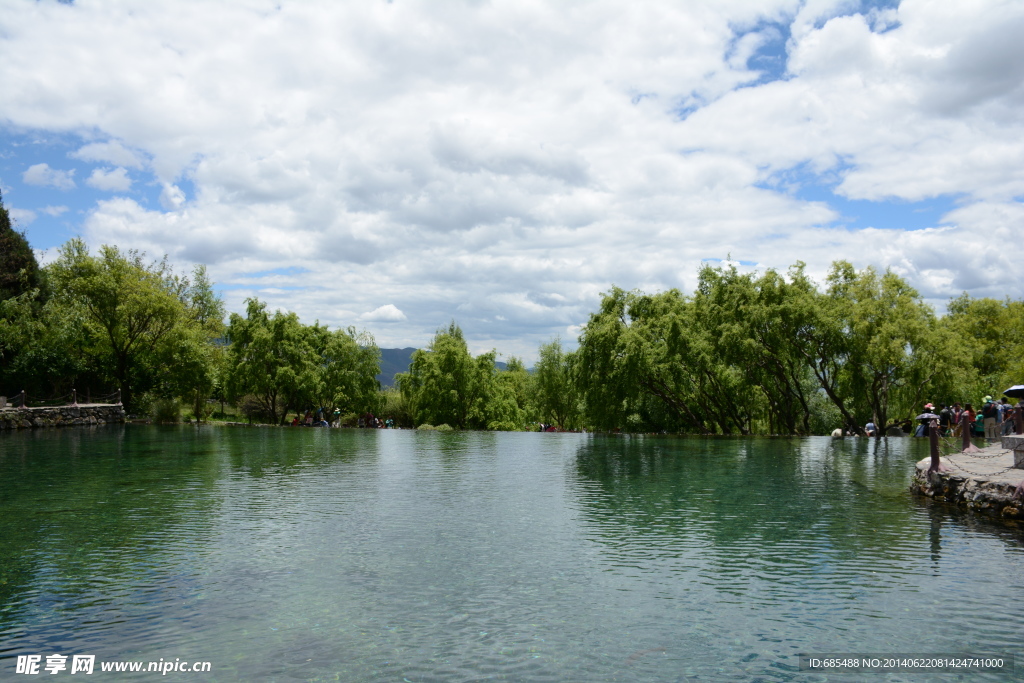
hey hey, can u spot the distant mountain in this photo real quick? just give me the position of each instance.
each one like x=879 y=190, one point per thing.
x=394 y=361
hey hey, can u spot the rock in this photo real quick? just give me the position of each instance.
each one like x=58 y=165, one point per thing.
x=18 y=418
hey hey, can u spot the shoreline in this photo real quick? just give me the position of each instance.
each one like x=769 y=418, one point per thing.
x=986 y=481
x=83 y=414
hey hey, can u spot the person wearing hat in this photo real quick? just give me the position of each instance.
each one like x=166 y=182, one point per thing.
x=990 y=414
x=923 y=427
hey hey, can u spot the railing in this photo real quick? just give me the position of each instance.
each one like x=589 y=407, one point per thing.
x=21 y=401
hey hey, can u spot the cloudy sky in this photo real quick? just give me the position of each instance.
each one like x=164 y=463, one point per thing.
x=396 y=165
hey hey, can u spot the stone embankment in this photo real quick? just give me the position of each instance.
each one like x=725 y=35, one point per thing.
x=61 y=416
x=987 y=481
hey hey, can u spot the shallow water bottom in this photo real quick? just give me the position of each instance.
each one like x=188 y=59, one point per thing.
x=366 y=555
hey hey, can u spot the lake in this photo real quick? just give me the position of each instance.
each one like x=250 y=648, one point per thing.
x=365 y=555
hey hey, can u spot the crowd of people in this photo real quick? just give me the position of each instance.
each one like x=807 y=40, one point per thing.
x=319 y=419
x=993 y=420
x=371 y=421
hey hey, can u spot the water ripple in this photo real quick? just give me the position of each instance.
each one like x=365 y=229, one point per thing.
x=383 y=556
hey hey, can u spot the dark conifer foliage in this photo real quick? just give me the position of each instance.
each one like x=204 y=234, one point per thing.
x=19 y=270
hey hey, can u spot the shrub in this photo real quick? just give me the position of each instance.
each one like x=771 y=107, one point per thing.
x=394 y=405
x=251 y=407
x=508 y=426
x=144 y=404
x=428 y=428
x=166 y=411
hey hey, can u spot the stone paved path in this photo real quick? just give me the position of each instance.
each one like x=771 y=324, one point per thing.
x=990 y=464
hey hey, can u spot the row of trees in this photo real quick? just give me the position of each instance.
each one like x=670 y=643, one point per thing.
x=115 y=321
x=744 y=354
x=105 y=322
x=772 y=354
x=282 y=365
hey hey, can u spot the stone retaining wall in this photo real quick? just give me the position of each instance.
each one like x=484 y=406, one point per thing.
x=62 y=416
x=992 y=498
x=984 y=481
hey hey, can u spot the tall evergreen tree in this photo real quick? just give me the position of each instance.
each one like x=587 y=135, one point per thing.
x=19 y=270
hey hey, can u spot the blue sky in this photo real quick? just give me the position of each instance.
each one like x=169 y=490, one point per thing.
x=56 y=210
x=397 y=165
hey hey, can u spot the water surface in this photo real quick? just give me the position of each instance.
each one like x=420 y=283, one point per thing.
x=359 y=555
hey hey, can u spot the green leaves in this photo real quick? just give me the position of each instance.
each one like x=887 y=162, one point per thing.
x=286 y=365
x=19 y=271
x=347 y=363
x=554 y=387
x=446 y=385
x=270 y=358
x=143 y=327
x=752 y=353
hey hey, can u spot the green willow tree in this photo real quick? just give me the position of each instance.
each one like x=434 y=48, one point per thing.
x=446 y=385
x=756 y=323
x=197 y=370
x=895 y=349
x=822 y=342
x=554 y=387
x=989 y=337
x=507 y=405
x=43 y=348
x=271 y=359
x=134 y=314
x=754 y=353
x=346 y=365
x=642 y=349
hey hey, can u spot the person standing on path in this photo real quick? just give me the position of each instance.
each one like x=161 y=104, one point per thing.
x=990 y=414
x=1005 y=417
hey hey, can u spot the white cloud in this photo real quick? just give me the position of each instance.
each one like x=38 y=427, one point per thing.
x=54 y=210
x=22 y=217
x=388 y=313
x=44 y=176
x=171 y=197
x=918 y=111
x=110 y=152
x=503 y=163
x=109 y=180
